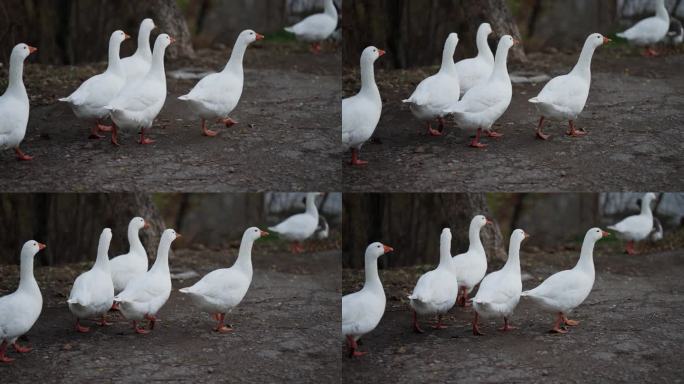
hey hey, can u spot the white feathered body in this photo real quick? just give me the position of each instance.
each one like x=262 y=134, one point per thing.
x=483 y=105
x=89 y=100
x=145 y=294
x=498 y=295
x=634 y=228
x=433 y=95
x=314 y=28
x=92 y=294
x=362 y=311
x=139 y=103
x=473 y=71
x=14 y=115
x=297 y=227
x=126 y=267
x=435 y=292
x=563 y=97
x=19 y=311
x=216 y=95
x=647 y=31
x=360 y=115
x=470 y=268
x=136 y=66
x=562 y=291
x=220 y=290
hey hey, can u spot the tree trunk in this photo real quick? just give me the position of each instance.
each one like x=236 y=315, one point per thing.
x=73 y=31
x=411 y=224
x=414 y=31
x=71 y=224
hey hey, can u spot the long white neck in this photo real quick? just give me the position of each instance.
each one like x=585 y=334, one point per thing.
x=445 y=253
x=583 y=66
x=236 y=56
x=244 y=259
x=372 y=278
x=330 y=9
x=27 y=282
x=500 y=71
x=16 y=82
x=144 y=49
x=661 y=11
x=161 y=264
x=448 y=66
x=102 y=261
x=311 y=205
x=114 y=60
x=368 y=86
x=483 y=50
x=586 y=260
x=513 y=262
x=134 y=241
x=157 y=66
x=474 y=239
x=646 y=208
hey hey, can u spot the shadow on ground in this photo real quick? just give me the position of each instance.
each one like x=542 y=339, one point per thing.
x=629 y=331
x=633 y=116
x=289 y=123
x=285 y=329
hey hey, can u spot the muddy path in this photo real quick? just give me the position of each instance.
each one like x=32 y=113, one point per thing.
x=629 y=331
x=289 y=123
x=633 y=116
x=285 y=330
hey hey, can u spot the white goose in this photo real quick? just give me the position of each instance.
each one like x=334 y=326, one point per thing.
x=362 y=310
x=434 y=94
x=89 y=99
x=499 y=291
x=20 y=310
x=650 y=30
x=564 y=97
x=217 y=94
x=301 y=226
x=361 y=112
x=636 y=227
x=483 y=104
x=137 y=65
x=317 y=27
x=14 y=103
x=134 y=263
x=435 y=292
x=471 y=266
x=562 y=292
x=139 y=103
x=221 y=290
x=146 y=294
x=92 y=294
x=476 y=70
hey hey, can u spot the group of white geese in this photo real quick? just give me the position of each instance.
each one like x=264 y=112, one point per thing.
x=485 y=86
x=499 y=292
x=124 y=283
x=132 y=90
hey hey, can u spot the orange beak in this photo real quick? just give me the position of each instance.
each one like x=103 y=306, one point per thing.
x=381 y=52
x=146 y=225
x=605 y=234
x=172 y=39
x=527 y=235
x=178 y=235
x=126 y=36
x=387 y=248
x=516 y=41
x=259 y=36
x=32 y=49
x=41 y=246
x=489 y=221
x=606 y=40
x=264 y=233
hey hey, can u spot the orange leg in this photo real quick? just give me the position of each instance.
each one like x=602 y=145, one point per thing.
x=144 y=140
x=557 y=325
x=207 y=132
x=439 y=324
x=355 y=158
x=506 y=327
x=115 y=135
x=220 y=326
x=80 y=328
x=476 y=326
x=574 y=132
x=630 y=248
x=3 y=351
x=476 y=141
x=353 y=348
x=416 y=325
x=21 y=155
x=539 y=131
x=432 y=131
x=569 y=322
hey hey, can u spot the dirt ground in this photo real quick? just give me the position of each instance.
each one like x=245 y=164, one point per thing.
x=287 y=137
x=285 y=329
x=629 y=331
x=633 y=116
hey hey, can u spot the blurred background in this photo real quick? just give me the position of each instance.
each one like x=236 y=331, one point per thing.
x=73 y=31
x=70 y=224
x=411 y=223
x=413 y=31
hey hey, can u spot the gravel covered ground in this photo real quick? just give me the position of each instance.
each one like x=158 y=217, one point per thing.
x=629 y=331
x=286 y=328
x=287 y=137
x=633 y=116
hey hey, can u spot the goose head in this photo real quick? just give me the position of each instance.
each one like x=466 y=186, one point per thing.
x=451 y=41
x=30 y=249
x=649 y=197
x=147 y=25
x=370 y=54
x=249 y=36
x=446 y=235
x=596 y=234
x=506 y=42
x=480 y=221
x=138 y=223
x=21 y=51
x=170 y=235
x=518 y=236
x=163 y=41
x=377 y=249
x=106 y=235
x=118 y=37
x=253 y=233
x=485 y=28
x=597 y=39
